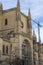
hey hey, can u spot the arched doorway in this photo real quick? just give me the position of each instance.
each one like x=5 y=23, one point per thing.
x=26 y=52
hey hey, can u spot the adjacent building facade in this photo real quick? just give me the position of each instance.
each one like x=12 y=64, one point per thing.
x=16 y=37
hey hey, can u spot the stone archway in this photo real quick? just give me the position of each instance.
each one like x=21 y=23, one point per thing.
x=26 y=52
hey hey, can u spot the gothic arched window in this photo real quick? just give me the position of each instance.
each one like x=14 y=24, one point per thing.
x=3 y=49
x=6 y=21
x=7 y=49
x=24 y=49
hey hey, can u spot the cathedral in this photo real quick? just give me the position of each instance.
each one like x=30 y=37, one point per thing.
x=16 y=37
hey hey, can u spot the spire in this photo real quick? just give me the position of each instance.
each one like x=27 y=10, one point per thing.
x=18 y=5
x=34 y=35
x=29 y=14
x=1 y=7
x=29 y=19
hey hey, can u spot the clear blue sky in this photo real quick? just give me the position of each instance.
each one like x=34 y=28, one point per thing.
x=36 y=8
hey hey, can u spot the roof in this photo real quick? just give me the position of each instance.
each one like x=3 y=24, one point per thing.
x=11 y=9
x=23 y=14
